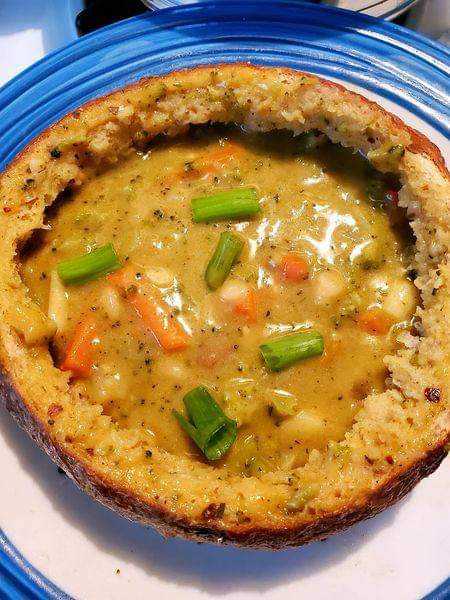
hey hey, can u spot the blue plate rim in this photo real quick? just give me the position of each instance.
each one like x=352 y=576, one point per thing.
x=20 y=579
x=381 y=24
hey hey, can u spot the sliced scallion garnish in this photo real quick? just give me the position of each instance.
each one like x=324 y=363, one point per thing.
x=239 y=203
x=90 y=266
x=225 y=255
x=212 y=431
x=289 y=349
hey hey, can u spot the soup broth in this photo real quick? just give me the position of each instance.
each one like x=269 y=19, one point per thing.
x=324 y=253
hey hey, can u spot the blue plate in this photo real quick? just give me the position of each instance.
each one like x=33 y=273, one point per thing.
x=395 y=63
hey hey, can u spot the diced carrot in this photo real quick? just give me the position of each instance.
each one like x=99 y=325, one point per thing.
x=247 y=306
x=214 y=161
x=123 y=278
x=374 y=320
x=157 y=317
x=155 y=314
x=226 y=151
x=294 y=268
x=80 y=351
x=199 y=170
x=240 y=298
x=333 y=348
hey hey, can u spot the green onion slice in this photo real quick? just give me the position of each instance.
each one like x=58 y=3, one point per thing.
x=285 y=351
x=90 y=266
x=212 y=431
x=233 y=204
x=225 y=255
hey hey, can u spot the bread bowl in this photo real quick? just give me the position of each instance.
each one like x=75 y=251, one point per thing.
x=396 y=437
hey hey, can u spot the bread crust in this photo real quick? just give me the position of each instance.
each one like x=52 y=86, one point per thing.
x=394 y=483
x=420 y=143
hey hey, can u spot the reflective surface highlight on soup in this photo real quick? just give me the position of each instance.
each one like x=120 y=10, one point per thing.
x=327 y=252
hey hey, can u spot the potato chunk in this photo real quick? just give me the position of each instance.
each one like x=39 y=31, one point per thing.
x=401 y=300
x=328 y=286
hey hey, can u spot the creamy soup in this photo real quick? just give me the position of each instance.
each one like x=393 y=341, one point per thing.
x=326 y=252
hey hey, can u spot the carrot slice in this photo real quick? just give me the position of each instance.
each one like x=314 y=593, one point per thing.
x=332 y=349
x=157 y=317
x=154 y=314
x=374 y=320
x=199 y=171
x=239 y=298
x=80 y=351
x=123 y=278
x=247 y=306
x=294 y=268
x=226 y=151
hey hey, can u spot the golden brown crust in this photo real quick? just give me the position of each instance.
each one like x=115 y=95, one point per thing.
x=257 y=533
x=420 y=143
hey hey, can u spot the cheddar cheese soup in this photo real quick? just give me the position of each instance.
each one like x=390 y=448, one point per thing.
x=231 y=294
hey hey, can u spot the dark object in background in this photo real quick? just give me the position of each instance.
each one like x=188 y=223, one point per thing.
x=99 y=13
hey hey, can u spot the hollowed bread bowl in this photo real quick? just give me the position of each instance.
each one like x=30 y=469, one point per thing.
x=397 y=438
